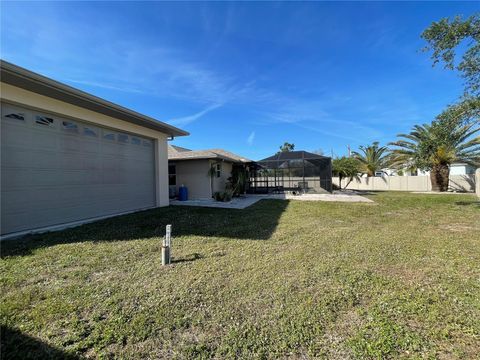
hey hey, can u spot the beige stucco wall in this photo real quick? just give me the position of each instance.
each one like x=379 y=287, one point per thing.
x=194 y=175
x=18 y=96
x=220 y=182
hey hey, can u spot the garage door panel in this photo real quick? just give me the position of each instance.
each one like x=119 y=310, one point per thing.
x=44 y=159
x=68 y=171
x=15 y=221
x=92 y=148
x=93 y=177
x=13 y=156
x=13 y=135
x=43 y=138
x=71 y=161
x=16 y=178
x=72 y=143
x=15 y=200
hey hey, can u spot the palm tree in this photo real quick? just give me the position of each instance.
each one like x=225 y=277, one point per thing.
x=372 y=158
x=345 y=168
x=435 y=147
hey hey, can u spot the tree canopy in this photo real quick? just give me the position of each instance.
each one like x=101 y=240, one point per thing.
x=345 y=168
x=286 y=147
x=444 y=39
x=372 y=158
x=435 y=147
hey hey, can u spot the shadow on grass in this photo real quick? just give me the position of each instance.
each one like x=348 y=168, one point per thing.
x=468 y=203
x=257 y=222
x=188 y=258
x=17 y=345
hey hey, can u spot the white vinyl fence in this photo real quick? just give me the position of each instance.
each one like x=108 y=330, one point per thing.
x=407 y=183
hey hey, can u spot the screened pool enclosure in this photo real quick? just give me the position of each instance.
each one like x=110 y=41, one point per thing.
x=298 y=171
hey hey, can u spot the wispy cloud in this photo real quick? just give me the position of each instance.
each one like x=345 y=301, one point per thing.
x=185 y=120
x=106 y=86
x=250 y=138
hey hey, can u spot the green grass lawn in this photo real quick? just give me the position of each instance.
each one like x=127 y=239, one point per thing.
x=399 y=278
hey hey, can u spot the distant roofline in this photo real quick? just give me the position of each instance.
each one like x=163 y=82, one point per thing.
x=20 y=77
x=305 y=155
x=205 y=155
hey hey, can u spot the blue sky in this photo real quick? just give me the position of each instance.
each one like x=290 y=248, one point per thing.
x=246 y=76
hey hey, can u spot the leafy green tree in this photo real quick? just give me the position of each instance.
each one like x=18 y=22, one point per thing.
x=345 y=168
x=467 y=111
x=435 y=147
x=444 y=39
x=372 y=158
x=286 y=147
x=445 y=36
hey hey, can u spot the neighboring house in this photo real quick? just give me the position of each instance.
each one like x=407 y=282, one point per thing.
x=462 y=169
x=70 y=157
x=191 y=168
x=455 y=169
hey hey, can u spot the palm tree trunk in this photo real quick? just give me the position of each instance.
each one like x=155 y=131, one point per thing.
x=439 y=176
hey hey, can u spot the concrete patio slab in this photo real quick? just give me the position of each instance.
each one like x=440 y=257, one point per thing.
x=248 y=200
x=236 y=203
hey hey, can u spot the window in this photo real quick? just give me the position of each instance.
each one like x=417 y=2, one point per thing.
x=44 y=120
x=136 y=141
x=108 y=136
x=172 y=175
x=70 y=126
x=147 y=143
x=218 y=170
x=89 y=132
x=469 y=170
x=16 y=116
x=123 y=138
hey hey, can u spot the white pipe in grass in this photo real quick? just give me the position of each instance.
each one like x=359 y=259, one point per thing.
x=167 y=241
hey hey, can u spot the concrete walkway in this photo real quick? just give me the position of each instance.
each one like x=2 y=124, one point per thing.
x=248 y=200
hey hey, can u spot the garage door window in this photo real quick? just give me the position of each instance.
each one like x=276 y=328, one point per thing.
x=123 y=138
x=147 y=143
x=89 y=132
x=70 y=126
x=136 y=141
x=109 y=136
x=44 y=120
x=15 y=116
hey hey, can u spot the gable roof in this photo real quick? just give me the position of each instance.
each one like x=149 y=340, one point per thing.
x=178 y=148
x=179 y=153
x=294 y=159
x=17 y=76
x=294 y=155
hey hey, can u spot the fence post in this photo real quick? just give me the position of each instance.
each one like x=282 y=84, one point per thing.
x=166 y=246
x=477 y=182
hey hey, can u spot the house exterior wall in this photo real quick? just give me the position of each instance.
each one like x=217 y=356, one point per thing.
x=20 y=97
x=194 y=175
x=220 y=182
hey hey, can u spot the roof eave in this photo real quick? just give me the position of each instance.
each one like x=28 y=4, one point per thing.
x=17 y=76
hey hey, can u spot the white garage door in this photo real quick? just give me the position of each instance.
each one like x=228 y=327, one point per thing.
x=56 y=170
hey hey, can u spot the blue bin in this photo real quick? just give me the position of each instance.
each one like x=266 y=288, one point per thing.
x=183 y=193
